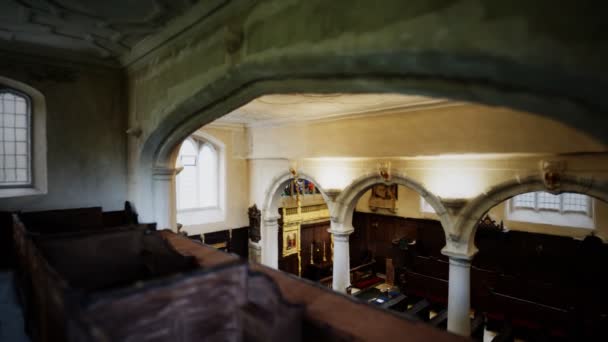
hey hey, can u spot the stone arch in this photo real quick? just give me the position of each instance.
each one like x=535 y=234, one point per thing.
x=478 y=78
x=466 y=223
x=348 y=198
x=270 y=215
x=272 y=194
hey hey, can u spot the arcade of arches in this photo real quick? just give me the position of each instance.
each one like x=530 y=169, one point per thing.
x=445 y=160
x=341 y=196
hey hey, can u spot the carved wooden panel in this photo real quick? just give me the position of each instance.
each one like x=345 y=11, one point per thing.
x=255 y=216
x=194 y=307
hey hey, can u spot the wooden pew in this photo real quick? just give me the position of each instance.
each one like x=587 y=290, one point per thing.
x=225 y=300
x=76 y=219
x=430 y=266
x=56 y=267
x=528 y=315
x=120 y=217
x=209 y=303
x=420 y=285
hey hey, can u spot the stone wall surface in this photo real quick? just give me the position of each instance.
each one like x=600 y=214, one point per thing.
x=524 y=55
x=86 y=140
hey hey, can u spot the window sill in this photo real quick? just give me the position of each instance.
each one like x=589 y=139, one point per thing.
x=191 y=210
x=189 y=217
x=19 y=192
x=553 y=219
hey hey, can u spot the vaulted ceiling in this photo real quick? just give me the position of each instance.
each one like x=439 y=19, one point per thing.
x=96 y=29
x=287 y=108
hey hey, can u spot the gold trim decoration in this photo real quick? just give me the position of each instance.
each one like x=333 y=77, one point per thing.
x=296 y=210
x=324 y=255
x=312 y=252
x=219 y=245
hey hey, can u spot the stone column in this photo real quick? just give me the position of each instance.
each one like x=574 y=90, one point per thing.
x=459 y=296
x=270 y=240
x=165 y=210
x=341 y=259
x=255 y=252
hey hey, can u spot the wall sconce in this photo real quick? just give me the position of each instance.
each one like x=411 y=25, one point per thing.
x=134 y=131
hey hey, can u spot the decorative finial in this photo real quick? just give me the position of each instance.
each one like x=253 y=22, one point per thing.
x=552 y=174
x=384 y=170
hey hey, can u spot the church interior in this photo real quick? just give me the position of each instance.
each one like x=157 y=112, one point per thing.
x=302 y=170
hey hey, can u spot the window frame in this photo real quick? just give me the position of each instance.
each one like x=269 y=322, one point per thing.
x=37 y=143
x=29 y=138
x=553 y=217
x=199 y=143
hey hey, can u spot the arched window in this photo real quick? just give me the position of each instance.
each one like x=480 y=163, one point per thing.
x=187 y=182
x=198 y=182
x=208 y=176
x=15 y=155
x=22 y=140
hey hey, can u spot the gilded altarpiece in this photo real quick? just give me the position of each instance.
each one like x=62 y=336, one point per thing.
x=296 y=212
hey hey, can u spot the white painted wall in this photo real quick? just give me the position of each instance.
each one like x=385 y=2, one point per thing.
x=425 y=146
x=450 y=130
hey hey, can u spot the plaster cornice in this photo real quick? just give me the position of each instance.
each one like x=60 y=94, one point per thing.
x=137 y=55
x=154 y=44
x=410 y=107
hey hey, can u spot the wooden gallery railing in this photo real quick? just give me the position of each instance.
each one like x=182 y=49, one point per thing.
x=134 y=283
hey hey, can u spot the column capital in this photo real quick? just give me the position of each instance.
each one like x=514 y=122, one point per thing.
x=271 y=220
x=457 y=249
x=458 y=255
x=341 y=235
x=460 y=262
x=163 y=172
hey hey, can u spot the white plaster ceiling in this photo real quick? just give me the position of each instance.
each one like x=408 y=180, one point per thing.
x=103 y=29
x=286 y=108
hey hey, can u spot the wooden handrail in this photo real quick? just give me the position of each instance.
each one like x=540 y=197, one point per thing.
x=545 y=306
x=327 y=279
